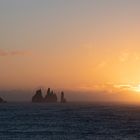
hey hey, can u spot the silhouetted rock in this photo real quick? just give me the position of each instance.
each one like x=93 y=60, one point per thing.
x=2 y=101
x=63 y=100
x=50 y=97
x=37 y=98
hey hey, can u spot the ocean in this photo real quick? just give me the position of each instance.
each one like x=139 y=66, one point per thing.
x=70 y=121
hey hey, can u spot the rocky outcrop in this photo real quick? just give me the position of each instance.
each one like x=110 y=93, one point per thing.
x=2 y=101
x=37 y=98
x=50 y=96
x=63 y=100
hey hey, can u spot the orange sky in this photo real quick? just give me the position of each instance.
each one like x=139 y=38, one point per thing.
x=70 y=45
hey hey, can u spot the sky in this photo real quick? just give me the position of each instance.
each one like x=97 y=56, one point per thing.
x=90 y=46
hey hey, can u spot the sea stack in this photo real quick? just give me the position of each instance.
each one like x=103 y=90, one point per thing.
x=63 y=100
x=2 y=101
x=37 y=98
x=50 y=97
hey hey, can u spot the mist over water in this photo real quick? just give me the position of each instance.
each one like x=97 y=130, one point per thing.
x=73 y=96
x=71 y=121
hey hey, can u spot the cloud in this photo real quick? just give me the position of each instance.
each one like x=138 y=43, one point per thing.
x=12 y=53
x=3 y=53
x=102 y=64
x=127 y=56
x=124 y=56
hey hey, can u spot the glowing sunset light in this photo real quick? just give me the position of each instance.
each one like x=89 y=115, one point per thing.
x=136 y=88
x=76 y=46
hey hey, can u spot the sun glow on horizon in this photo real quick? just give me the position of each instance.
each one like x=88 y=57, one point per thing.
x=136 y=88
x=77 y=45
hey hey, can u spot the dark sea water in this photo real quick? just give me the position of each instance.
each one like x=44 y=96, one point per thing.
x=71 y=121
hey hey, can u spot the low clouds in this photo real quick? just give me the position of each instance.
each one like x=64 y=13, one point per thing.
x=124 y=56
x=12 y=53
x=127 y=56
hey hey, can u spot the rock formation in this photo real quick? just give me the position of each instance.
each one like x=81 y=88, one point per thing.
x=37 y=98
x=2 y=101
x=50 y=97
x=63 y=100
